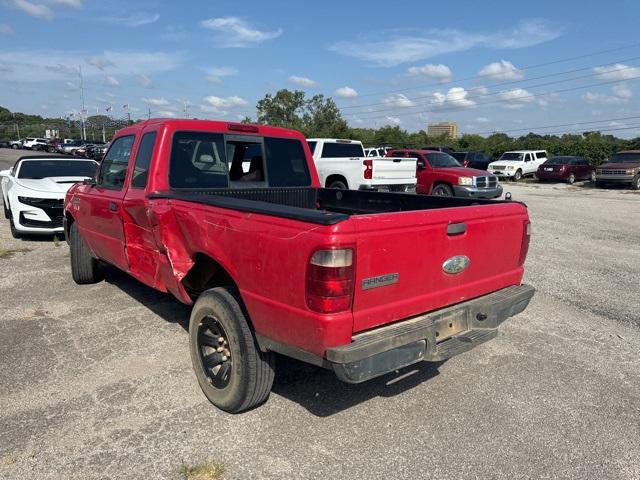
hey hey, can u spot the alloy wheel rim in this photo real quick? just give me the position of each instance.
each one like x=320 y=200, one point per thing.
x=214 y=352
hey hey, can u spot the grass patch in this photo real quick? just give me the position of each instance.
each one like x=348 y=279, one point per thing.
x=56 y=241
x=10 y=252
x=203 y=471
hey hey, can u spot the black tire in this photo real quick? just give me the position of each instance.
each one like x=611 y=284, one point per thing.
x=517 y=176
x=338 y=185
x=600 y=184
x=592 y=177
x=7 y=212
x=635 y=183
x=14 y=233
x=572 y=179
x=442 y=190
x=243 y=379
x=84 y=268
x=14 y=146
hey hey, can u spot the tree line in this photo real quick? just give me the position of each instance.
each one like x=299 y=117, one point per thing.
x=319 y=116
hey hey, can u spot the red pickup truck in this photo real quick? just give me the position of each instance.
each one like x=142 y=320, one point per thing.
x=231 y=218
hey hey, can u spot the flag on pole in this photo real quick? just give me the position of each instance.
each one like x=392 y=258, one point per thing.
x=125 y=106
x=108 y=109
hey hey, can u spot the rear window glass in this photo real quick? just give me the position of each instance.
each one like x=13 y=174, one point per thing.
x=342 y=150
x=624 y=157
x=286 y=163
x=560 y=160
x=198 y=161
x=38 y=169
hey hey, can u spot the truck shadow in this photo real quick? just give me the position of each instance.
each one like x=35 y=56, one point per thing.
x=316 y=389
x=321 y=393
x=162 y=304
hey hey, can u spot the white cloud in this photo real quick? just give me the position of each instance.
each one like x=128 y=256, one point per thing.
x=234 y=32
x=302 y=81
x=394 y=51
x=136 y=19
x=438 y=72
x=166 y=113
x=619 y=71
x=144 y=81
x=619 y=94
x=216 y=74
x=515 y=98
x=455 y=97
x=156 y=102
x=5 y=29
x=34 y=9
x=346 y=92
x=99 y=62
x=221 y=105
x=393 y=120
x=502 y=70
x=112 y=81
x=398 y=100
x=62 y=69
x=482 y=120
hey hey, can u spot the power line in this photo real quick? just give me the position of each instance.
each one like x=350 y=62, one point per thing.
x=543 y=127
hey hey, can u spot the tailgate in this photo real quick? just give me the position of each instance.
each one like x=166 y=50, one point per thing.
x=400 y=259
x=394 y=168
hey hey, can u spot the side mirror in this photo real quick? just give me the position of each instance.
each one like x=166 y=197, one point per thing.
x=421 y=164
x=89 y=181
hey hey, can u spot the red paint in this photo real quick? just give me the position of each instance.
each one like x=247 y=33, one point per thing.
x=269 y=257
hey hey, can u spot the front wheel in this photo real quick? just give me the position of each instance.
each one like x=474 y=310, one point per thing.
x=635 y=183
x=442 y=190
x=84 y=268
x=572 y=179
x=232 y=371
x=517 y=176
x=14 y=146
x=593 y=177
x=338 y=185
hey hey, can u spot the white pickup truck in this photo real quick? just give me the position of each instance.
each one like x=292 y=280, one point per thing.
x=518 y=163
x=342 y=164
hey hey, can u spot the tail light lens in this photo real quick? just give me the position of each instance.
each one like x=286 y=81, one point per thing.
x=526 y=238
x=329 y=287
x=368 y=169
x=466 y=163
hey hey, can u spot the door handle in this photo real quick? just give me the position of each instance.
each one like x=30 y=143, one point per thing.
x=113 y=207
x=456 y=228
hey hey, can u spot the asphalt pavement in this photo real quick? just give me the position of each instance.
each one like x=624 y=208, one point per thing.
x=96 y=381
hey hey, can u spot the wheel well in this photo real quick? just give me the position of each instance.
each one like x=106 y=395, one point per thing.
x=68 y=224
x=334 y=178
x=435 y=184
x=206 y=273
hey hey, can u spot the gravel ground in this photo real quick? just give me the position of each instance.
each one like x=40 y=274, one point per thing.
x=96 y=381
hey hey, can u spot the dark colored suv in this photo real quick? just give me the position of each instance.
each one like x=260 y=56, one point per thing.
x=621 y=167
x=472 y=159
x=566 y=168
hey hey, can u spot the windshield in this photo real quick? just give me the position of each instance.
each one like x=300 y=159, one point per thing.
x=440 y=160
x=38 y=169
x=512 y=156
x=559 y=160
x=625 y=158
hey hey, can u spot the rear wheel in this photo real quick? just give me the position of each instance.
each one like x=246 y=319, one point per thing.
x=635 y=183
x=232 y=371
x=338 y=185
x=14 y=146
x=442 y=190
x=572 y=179
x=593 y=177
x=84 y=268
x=517 y=176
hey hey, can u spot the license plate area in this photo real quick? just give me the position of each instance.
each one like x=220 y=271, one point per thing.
x=449 y=325
x=548 y=169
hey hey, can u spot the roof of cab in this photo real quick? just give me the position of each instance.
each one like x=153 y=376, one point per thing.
x=213 y=125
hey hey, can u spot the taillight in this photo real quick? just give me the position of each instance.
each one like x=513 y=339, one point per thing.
x=329 y=287
x=368 y=169
x=526 y=239
x=466 y=163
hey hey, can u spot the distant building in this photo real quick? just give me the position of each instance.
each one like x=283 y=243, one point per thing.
x=447 y=129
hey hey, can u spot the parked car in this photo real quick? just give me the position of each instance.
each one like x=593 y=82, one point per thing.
x=342 y=164
x=35 y=143
x=438 y=173
x=478 y=160
x=33 y=191
x=325 y=276
x=518 y=163
x=566 y=168
x=99 y=152
x=4 y=144
x=71 y=147
x=622 y=168
x=16 y=144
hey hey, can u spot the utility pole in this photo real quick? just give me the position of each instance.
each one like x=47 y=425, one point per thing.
x=17 y=127
x=82 y=112
x=186 y=109
x=149 y=113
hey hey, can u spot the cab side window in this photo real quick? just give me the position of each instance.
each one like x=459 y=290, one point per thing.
x=113 y=168
x=143 y=159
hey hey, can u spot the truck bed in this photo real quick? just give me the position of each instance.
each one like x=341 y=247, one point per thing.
x=322 y=206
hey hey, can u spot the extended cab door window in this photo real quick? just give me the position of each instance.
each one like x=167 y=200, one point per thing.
x=143 y=159
x=113 y=169
x=198 y=160
x=286 y=163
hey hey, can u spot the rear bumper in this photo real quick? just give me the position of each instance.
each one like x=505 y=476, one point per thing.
x=426 y=337
x=475 y=192
x=401 y=187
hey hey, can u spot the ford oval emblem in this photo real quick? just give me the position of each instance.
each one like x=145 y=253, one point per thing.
x=456 y=264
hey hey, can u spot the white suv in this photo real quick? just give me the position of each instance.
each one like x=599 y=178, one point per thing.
x=34 y=143
x=518 y=163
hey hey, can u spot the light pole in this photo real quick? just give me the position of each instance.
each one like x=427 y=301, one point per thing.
x=17 y=127
x=83 y=111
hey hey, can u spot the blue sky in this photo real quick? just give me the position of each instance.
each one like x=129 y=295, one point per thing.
x=405 y=63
